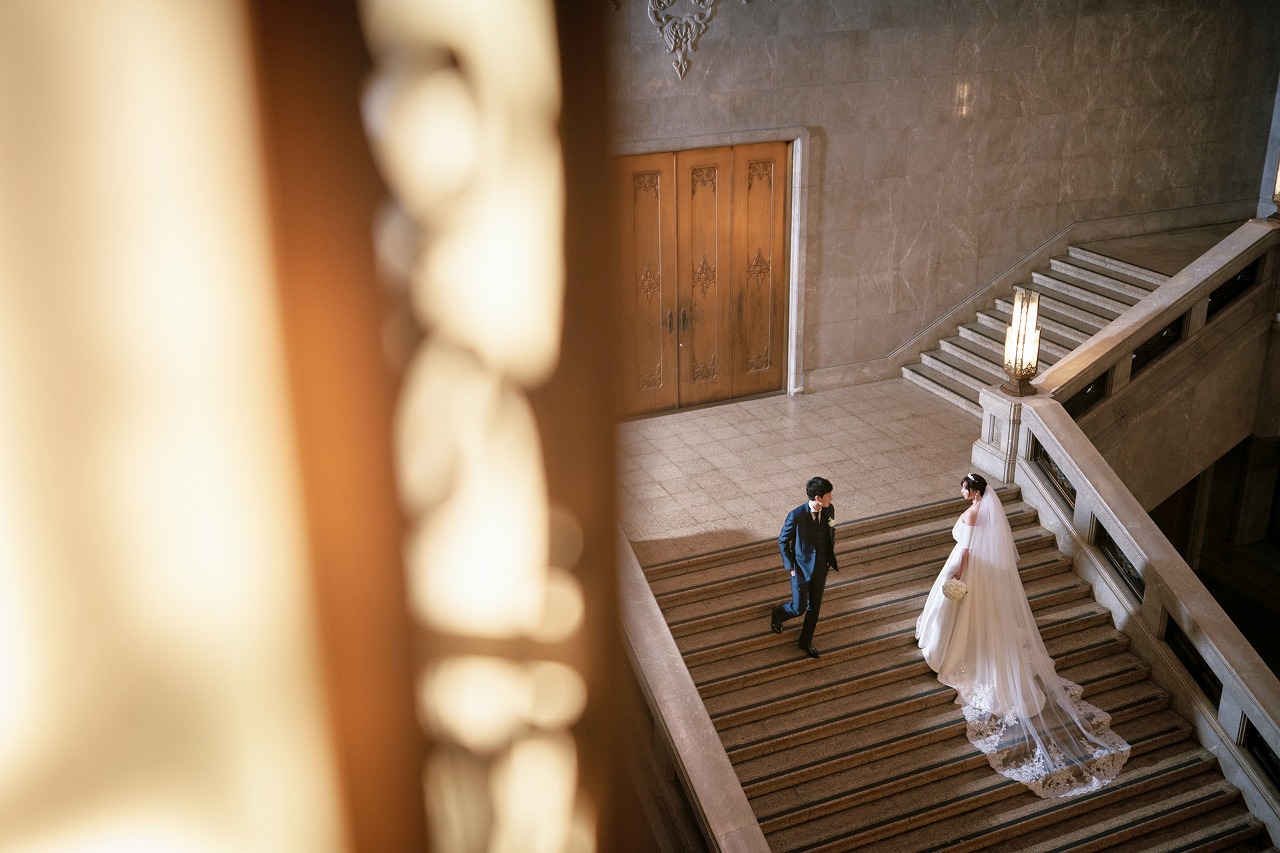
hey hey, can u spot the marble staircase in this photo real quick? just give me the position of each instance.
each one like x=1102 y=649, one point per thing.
x=1080 y=293
x=864 y=749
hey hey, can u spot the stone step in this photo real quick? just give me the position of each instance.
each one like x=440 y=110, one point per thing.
x=974 y=353
x=974 y=375
x=1070 y=306
x=737 y=599
x=801 y=717
x=1127 y=823
x=1009 y=823
x=897 y=776
x=1121 y=284
x=995 y=318
x=712 y=641
x=1049 y=318
x=858 y=826
x=986 y=339
x=994 y=335
x=956 y=393
x=947 y=508
x=1124 y=268
x=842 y=678
x=1084 y=290
x=714 y=582
x=784 y=732
x=1229 y=827
x=783 y=660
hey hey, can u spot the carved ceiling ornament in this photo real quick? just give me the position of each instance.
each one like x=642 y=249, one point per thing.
x=681 y=32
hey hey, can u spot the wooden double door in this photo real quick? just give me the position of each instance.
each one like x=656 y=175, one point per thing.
x=703 y=274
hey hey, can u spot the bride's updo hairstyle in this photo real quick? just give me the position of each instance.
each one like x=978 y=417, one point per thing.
x=975 y=483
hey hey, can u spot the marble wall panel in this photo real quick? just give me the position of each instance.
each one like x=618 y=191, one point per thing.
x=844 y=159
x=819 y=16
x=872 y=249
x=844 y=56
x=873 y=295
x=1093 y=177
x=796 y=63
x=957 y=237
x=884 y=152
x=1006 y=231
x=833 y=301
x=740 y=65
x=949 y=139
x=835 y=343
x=1102 y=40
x=920 y=200
x=957 y=279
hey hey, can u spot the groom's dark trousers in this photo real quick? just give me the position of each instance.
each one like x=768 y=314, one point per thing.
x=808 y=547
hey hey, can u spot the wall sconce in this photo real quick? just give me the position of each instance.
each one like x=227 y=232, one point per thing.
x=1022 y=344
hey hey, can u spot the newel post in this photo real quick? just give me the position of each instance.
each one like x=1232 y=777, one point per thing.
x=996 y=450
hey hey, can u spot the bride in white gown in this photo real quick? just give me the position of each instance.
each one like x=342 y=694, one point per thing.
x=1030 y=722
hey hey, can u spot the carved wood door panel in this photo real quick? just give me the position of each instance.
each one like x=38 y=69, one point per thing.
x=758 y=287
x=647 y=268
x=703 y=275
x=704 y=216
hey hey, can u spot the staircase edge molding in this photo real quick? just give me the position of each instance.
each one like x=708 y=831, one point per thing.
x=1081 y=231
x=680 y=717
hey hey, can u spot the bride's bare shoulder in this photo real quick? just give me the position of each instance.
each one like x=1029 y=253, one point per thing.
x=970 y=516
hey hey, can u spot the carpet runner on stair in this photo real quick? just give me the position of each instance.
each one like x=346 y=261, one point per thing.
x=864 y=749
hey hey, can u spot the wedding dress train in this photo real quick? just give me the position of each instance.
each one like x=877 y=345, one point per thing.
x=1032 y=724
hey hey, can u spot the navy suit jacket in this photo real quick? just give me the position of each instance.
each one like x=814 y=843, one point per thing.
x=802 y=541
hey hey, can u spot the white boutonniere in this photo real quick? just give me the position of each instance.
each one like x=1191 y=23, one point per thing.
x=831 y=521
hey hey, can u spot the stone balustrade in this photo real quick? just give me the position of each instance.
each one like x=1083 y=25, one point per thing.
x=1181 y=304
x=1217 y=679
x=680 y=719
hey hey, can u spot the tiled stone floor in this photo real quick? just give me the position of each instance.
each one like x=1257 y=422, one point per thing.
x=697 y=481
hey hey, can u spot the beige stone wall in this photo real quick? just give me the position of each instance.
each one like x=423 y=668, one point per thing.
x=949 y=139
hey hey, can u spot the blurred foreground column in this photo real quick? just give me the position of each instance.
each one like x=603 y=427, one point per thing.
x=488 y=120
x=160 y=688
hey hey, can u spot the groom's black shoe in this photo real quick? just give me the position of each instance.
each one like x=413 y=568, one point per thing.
x=811 y=651
x=774 y=622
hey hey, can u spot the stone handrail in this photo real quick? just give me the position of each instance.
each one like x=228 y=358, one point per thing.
x=713 y=789
x=1172 y=593
x=1186 y=293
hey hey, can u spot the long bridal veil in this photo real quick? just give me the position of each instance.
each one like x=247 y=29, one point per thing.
x=1031 y=723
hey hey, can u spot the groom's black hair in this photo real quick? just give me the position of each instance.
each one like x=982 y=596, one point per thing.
x=817 y=487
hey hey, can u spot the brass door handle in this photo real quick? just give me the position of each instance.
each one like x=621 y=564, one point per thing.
x=684 y=320
x=671 y=323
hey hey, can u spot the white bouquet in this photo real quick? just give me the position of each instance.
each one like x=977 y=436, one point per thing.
x=955 y=589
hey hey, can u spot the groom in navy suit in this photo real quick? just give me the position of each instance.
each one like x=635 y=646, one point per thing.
x=808 y=545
